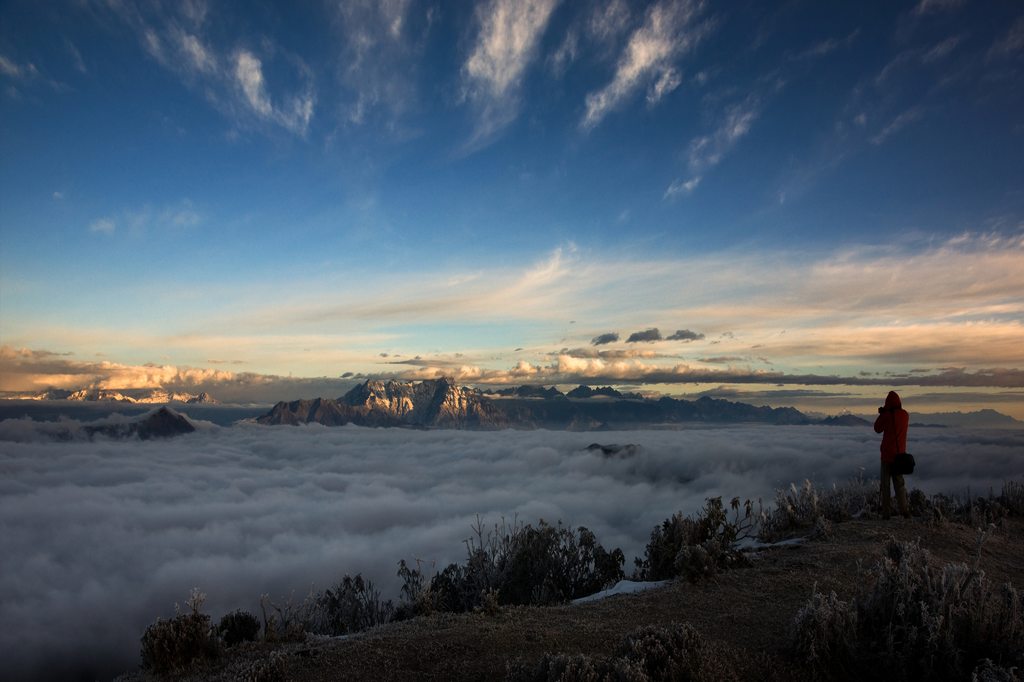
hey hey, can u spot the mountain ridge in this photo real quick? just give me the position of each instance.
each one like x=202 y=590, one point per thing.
x=147 y=396
x=441 y=403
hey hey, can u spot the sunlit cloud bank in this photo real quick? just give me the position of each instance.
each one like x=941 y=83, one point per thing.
x=99 y=538
x=27 y=371
x=939 y=314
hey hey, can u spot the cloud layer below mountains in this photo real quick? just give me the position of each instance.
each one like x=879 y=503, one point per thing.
x=100 y=538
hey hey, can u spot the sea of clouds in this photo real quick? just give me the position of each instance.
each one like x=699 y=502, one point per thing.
x=98 y=538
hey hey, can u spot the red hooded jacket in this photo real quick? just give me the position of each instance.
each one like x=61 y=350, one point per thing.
x=892 y=423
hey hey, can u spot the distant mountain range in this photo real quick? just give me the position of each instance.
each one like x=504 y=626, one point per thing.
x=986 y=418
x=156 y=396
x=441 y=403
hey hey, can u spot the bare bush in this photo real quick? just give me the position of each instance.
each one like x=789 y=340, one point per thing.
x=176 y=645
x=676 y=652
x=700 y=545
x=237 y=627
x=353 y=605
x=824 y=634
x=287 y=621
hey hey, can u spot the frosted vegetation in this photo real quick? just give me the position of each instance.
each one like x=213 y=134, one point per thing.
x=920 y=621
x=287 y=513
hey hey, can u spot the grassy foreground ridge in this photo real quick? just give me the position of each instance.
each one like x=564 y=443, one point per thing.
x=930 y=597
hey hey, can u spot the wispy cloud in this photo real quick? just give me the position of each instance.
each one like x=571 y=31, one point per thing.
x=294 y=116
x=709 y=150
x=930 y=6
x=379 y=43
x=941 y=50
x=668 y=81
x=249 y=74
x=681 y=187
x=828 y=46
x=1011 y=42
x=901 y=121
x=231 y=78
x=561 y=58
x=200 y=57
x=595 y=33
x=608 y=21
x=76 y=57
x=182 y=214
x=25 y=75
x=103 y=226
x=509 y=33
x=13 y=69
x=668 y=31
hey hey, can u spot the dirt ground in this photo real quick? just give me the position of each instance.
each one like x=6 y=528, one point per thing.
x=746 y=611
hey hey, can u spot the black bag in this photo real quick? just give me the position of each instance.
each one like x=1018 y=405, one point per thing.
x=903 y=464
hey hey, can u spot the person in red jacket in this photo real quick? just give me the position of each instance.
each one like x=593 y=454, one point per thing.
x=892 y=423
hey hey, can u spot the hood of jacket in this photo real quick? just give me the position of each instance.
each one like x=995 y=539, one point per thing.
x=892 y=401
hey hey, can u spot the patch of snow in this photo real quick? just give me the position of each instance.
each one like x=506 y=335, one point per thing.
x=752 y=544
x=622 y=587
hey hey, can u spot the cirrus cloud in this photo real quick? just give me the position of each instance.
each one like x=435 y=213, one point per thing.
x=668 y=31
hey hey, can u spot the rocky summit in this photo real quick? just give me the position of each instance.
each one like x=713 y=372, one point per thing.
x=161 y=423
x=436 y=403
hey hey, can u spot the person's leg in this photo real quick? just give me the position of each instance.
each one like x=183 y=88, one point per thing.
x=883 y=492
x=901 y=494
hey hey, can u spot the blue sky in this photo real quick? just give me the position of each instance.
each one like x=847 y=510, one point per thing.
x=827 y=195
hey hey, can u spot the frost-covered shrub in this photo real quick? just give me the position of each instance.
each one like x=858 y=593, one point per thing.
x=987 y=671
x=552 y=564
x=269 y=669
x=822 y=529
x=824 y=634
x=649 y=654
x=520 y=564
x=170 y=646
x=489 y=604
x=1013 y=497
x=978 y=511
x=675 y=652
x=353 y=605
x=919 y=503
x=931 y=621
x=919 y=620
x=698 y=546
x=800 y=508
x=559 y=668
x=238 y=626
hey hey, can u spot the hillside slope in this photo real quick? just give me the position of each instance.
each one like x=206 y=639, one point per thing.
x=745 y=614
